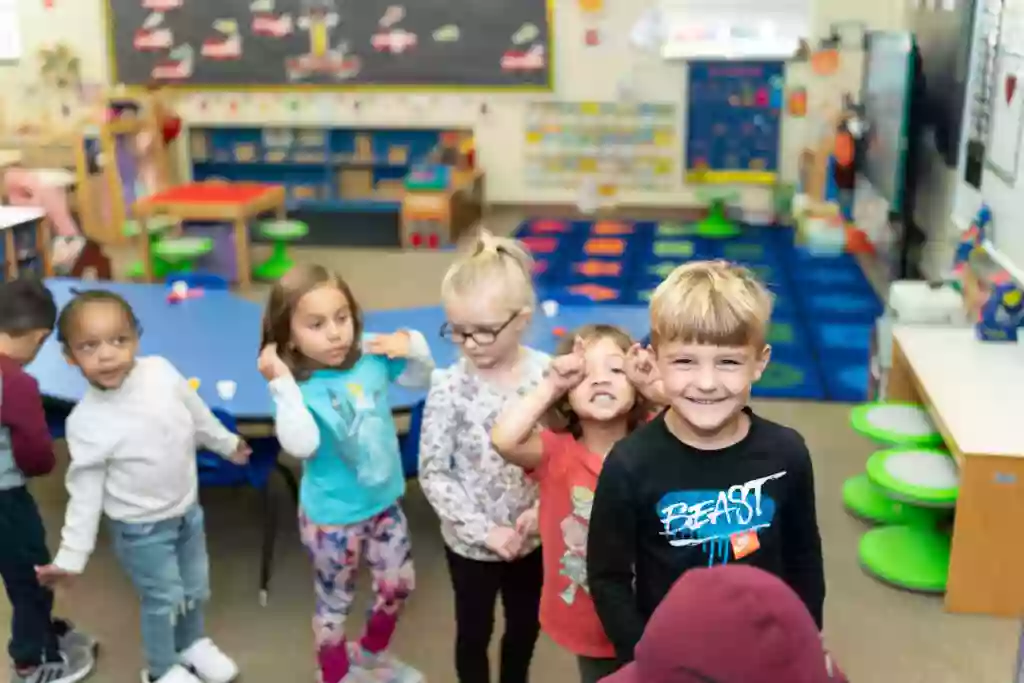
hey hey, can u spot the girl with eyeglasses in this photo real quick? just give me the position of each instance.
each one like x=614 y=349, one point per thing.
x=487 y=507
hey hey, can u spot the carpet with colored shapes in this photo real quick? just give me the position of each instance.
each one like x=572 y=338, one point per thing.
x=824 y=307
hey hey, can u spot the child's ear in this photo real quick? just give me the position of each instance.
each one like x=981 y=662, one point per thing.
x=763 y=357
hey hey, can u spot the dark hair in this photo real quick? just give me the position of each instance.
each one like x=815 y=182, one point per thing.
x=26 y=305
x=563 y=418
x=69 y=314
x=277 y=316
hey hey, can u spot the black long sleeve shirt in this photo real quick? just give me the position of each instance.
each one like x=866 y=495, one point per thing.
x=663 y=507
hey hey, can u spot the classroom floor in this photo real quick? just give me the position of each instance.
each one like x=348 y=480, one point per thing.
x=878 y=634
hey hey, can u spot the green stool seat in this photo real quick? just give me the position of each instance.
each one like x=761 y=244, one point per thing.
x=280 y=232
x=917 y=476
x=868 y=502
x=905 y=424
x=911 y=558
x=181 y=253
x=156 y=226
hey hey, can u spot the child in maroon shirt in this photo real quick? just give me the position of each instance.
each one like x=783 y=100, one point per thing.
x=42 y=649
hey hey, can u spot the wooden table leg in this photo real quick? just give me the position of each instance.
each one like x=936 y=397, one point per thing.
x=147 y=257
x=11 y=254
x=899 y=384
x=242 y=261
x=44 y=245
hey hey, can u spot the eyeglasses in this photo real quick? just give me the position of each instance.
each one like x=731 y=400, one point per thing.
x=483 y=336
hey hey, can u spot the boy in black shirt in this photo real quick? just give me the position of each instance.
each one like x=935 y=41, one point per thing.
x=707 y=482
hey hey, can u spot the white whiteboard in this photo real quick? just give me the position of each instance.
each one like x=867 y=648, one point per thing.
x=1002 y=188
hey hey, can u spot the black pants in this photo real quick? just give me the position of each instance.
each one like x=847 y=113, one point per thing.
x=22 y=549
x=476 y=585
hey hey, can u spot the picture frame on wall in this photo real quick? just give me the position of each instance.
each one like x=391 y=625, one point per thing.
x=1006 y=126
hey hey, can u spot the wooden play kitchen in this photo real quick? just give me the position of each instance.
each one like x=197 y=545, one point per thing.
x=440 y=204
x=20 y=248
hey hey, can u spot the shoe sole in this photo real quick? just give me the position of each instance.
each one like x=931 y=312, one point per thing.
x=75 y=678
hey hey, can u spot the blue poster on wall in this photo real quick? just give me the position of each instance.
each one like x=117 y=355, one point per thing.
x=732 y=126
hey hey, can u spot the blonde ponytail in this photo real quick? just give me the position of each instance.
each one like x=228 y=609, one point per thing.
x=493 y=262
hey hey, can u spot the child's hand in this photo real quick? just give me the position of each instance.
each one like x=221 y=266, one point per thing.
x=504 y=541
x=567 y=371
x=640 y=367
x=52 y=576
x=241 y=453
x=270 y=364
x=526 y=524
x=395 y=345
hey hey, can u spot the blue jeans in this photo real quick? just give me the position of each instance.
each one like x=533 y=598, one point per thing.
x=168 y=564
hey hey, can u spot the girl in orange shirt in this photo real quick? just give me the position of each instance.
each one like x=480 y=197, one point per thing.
x=593 y=395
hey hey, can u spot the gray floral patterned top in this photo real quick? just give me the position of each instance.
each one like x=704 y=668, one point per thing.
x=470 y=486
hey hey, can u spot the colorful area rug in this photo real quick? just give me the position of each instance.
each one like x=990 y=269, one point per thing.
x=824 y=311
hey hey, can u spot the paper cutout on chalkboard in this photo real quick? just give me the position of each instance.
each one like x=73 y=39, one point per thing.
x=226 y=45
x=153 y=20
x=527 y=33
x=530 y=60
x=162 y=5
x=392 y=15
x=178 y=65
x=271 y=26
x=395 y=41
x=261 y=6
x=449 y=33
x=153 y=37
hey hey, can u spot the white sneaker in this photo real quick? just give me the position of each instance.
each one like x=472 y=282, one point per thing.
x=176 y=674
x=209 y=662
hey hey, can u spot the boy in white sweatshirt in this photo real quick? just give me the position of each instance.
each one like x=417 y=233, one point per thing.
x=133 y=440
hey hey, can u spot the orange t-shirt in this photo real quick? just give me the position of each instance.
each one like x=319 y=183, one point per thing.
x=567 y=477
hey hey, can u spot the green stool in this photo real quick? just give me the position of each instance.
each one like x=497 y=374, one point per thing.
x=280 y=232
x=157 y=226
x=911 y=557
x=906 y=424
x=180 y=254
x=717 y=224
x=866 y=501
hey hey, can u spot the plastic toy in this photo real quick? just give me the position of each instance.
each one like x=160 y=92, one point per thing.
x=180 y=291
x=971 y=240
x=1002 y=314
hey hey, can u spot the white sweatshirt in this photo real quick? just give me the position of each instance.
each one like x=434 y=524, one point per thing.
x=133 y=454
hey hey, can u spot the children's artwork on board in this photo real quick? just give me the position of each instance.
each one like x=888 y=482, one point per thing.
x=734 y=109
x=1007 y=123
x=618 y=145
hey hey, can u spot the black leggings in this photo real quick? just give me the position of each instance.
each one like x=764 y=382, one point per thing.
x=476 y=585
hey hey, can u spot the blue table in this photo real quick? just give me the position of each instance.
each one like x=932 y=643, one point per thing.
x=216 y=337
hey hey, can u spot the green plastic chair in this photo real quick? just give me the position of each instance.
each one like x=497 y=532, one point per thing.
x=866 y=501
x=891 y=423
x=158 y=227
x=280 y=232
x=180 y=254
x=914 y=558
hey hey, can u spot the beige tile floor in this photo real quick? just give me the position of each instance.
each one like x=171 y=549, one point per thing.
x=880 y=635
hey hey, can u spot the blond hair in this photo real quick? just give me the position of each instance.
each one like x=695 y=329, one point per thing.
x=711 y=302
x=498 y=262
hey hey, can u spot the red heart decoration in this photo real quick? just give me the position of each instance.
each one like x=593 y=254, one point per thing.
x=1011 y=87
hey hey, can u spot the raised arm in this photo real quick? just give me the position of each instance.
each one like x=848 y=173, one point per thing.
x=294 y=425
x=516 y=434
x=409 y=360
x=439 y=478
x=85 y=482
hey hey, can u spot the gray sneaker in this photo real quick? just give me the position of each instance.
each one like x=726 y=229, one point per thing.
x=70 y=638
x=72 y=667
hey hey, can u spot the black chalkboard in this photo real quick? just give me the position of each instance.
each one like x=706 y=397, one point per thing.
x=273 y=43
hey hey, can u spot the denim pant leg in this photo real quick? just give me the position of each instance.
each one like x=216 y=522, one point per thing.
x=194 y=566
x=148 y=552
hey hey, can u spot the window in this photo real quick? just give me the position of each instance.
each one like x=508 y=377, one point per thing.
x=10 y=31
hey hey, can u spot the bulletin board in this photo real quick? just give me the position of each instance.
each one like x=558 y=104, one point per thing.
x=619 y=145
x=500 y=44
x=733 y=121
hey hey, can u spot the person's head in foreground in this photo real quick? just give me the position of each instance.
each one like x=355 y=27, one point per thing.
x=488 y=299
x=98 y=332
x=709 y=325
x=312 y=321
x=730 y=624
x=27 y=315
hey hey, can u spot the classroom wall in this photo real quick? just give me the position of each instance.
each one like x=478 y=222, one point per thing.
x=582 y=74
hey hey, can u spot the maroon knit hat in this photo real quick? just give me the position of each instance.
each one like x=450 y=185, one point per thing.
x=731 y=624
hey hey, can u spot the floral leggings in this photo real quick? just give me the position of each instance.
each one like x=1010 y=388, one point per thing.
x=337 y=551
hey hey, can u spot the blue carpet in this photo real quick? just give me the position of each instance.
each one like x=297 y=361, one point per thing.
x=824 y=310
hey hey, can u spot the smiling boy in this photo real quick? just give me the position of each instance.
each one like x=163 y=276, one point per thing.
x=706 y=482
